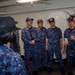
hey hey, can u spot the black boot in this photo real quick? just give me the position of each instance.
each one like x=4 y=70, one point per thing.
x=70 y=73
x=35 y=73
x=62 y=71
x=29 y=74
x=45 y=68
x=40 y=69
x=49 y=70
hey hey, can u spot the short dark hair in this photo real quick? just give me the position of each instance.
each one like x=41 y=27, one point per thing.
x=39 y=21
x=8 y=37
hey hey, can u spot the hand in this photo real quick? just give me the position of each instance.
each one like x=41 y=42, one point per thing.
x=32 y=42
x=65 y=43
x=62 y=48
x=63 y=51
x=46 y=47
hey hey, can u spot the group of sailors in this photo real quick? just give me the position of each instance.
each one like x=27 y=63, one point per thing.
x=40 y=44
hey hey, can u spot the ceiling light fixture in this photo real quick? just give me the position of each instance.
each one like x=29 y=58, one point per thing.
x=25 y=1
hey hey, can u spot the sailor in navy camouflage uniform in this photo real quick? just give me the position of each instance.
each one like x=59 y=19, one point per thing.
x=10 y=61
x=54 y=36
x=29 y=37
x=15 y=45
x=42 y=52
x=69 y=49
x=72 y=42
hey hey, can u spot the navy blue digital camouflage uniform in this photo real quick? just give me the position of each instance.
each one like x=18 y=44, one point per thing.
x=69 y=51
x=72 y=42
x=54 y=35
x=15 y=45
x=42 y=53
x=11 y=62
x=30 y=50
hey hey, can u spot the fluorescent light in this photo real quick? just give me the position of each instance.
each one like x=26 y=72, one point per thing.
x=25 y=1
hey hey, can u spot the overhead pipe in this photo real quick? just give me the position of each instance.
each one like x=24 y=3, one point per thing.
x=7 y=3
x=44 y=9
